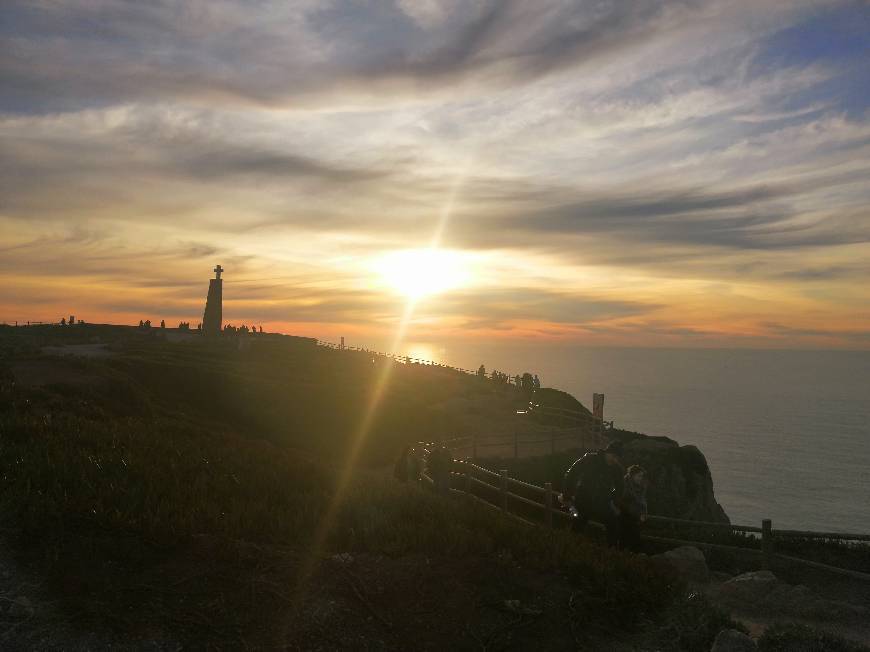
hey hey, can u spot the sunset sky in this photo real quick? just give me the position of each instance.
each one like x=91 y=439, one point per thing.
x=607 y=173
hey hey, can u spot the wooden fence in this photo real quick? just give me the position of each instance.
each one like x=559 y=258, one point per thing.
x=539 y=506
x=406 y=359
x=525 y=443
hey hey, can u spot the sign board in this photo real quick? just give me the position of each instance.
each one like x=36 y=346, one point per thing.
x=598 y=406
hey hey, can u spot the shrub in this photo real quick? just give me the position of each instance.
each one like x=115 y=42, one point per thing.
x=800 y=638
x=693 y=624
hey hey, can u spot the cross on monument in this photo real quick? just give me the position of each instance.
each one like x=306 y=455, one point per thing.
x=217 y=271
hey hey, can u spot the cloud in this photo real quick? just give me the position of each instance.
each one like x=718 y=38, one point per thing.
x=634 y=166
x=537 y=304
x=81 y=54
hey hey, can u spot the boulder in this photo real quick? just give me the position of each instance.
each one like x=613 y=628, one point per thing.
x=21 y=608
x=761 y=592
x=730 y=640
x=748 y=590
x=343 y=558
x=800 y=602
x=689 y=562
x=517 y=607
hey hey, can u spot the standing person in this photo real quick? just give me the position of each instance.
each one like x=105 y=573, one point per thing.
x=593 y=486
x=440 y=466
x=633 y=508
x=404 y=465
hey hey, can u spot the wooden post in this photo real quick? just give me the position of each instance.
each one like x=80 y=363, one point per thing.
x=548 y=501
x=516 y=445
x=766 y=541
x=503 y=486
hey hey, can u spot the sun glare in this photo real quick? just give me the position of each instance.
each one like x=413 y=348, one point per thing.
x=418 y=273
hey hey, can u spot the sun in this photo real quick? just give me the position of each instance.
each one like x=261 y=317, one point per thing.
x=418 y=273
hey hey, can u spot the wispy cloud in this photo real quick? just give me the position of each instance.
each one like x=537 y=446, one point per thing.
x=644 y=169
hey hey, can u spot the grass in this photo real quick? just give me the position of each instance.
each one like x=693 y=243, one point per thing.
x=692 y=623
x=115 y=480
x=104 y=507
x=172 y=480
x=162 y=480
x=788 y=637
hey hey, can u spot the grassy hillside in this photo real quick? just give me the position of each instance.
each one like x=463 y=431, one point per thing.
x=282 y=389
x=176 y=494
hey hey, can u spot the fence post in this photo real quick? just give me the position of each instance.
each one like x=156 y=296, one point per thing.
x=766 y=541
x=474 y=446
x=503 y=486
x=548 y=501
x=516 y=445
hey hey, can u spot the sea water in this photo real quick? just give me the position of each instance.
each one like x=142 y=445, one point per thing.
x=786 y=433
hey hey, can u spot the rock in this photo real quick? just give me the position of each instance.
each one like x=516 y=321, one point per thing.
x=800 y=602
x=515 y=606
x=761 y=592
x=653 y=445
x=730 y=640
x=719 y=576
x=755 y=576
x=749 y=588
x=680 y=484
x=689 y=562
x=21 y=608
x=342 y=558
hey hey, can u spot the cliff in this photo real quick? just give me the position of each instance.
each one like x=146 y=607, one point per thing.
x=680 y=483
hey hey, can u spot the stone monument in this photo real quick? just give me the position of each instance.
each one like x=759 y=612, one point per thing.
x=213 y=318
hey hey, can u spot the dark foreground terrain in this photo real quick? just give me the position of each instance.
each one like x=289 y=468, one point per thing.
x=162 y=495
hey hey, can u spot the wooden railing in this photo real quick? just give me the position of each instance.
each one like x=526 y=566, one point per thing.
x=406 y=359
x=503 y=493
x=518 y=443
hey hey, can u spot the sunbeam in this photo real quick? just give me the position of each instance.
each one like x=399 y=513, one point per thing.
x=345 y=477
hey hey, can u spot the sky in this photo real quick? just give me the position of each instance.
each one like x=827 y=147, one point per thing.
x=650 y=173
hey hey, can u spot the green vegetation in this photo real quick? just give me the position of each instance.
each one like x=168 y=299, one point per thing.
x=799 y=638
x=556 y=398
x=183 y=484
x=692 y=623
x=117 y=473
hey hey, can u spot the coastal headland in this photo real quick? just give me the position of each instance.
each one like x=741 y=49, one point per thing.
x=163 y=489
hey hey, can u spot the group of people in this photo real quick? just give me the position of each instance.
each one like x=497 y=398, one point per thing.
x=438 y=464
x=598 y=487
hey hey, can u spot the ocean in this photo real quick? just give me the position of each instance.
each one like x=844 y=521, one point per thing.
x=786 y=433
